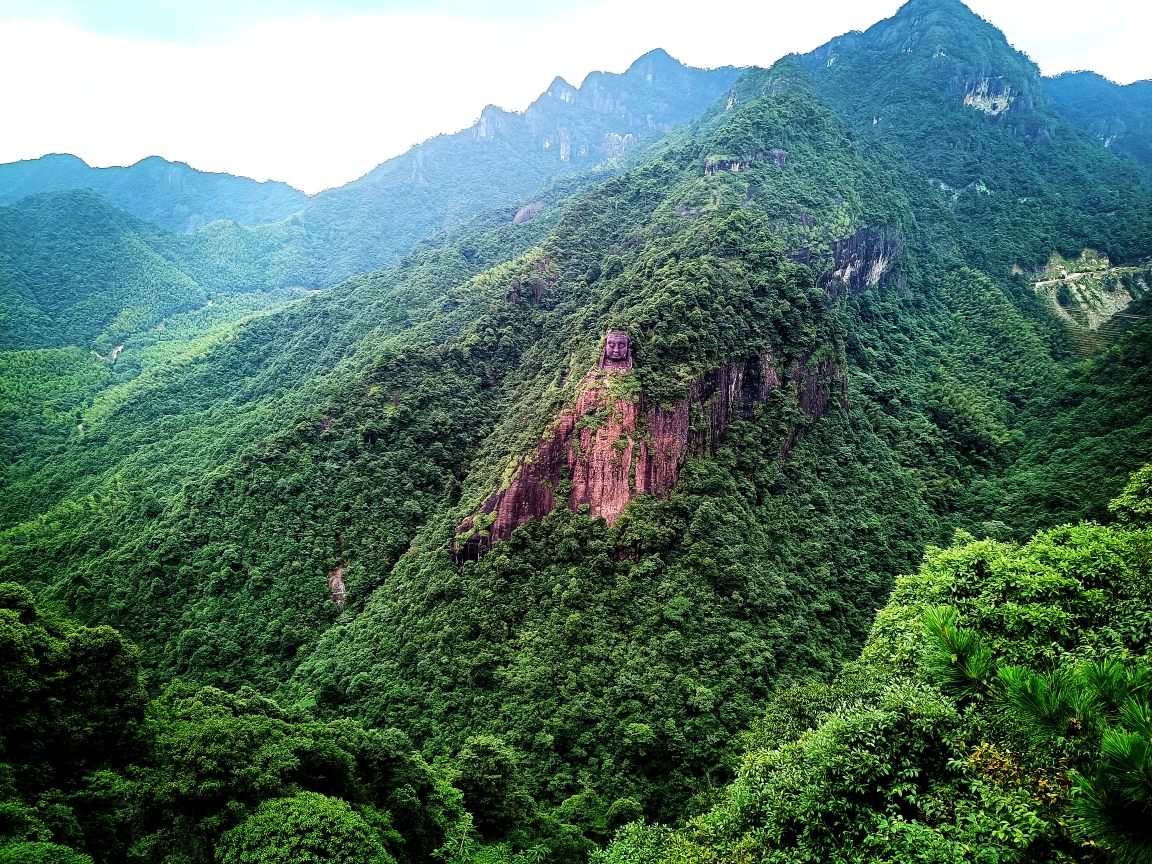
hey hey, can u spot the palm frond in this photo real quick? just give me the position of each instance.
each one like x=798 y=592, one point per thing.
x=958 y=662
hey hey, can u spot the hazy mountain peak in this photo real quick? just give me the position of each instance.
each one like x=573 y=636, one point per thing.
x=560 y=89
x=937 y=35
x=505 y=155
x=653 y=63
x=174 y=195
x=1116 y=116
x=656 y=55
x=935 y=50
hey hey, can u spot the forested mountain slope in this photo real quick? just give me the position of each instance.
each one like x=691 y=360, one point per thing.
x=77 y=270
x=964 y=108
x=565 y=501
x=1118 y=116
x=998 y=711
x=185 y=417
x=768 y=564
x=1025 y=184
x=172 y=194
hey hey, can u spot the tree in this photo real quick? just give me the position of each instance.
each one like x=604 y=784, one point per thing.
x=41 y=853
x=1134 y=504
x=71 y=703
x=307 y=828
x=493 y=789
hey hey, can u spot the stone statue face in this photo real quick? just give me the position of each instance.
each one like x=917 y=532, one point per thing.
x=616 y=346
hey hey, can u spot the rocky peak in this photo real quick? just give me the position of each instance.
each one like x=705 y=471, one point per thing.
x=562 y=90
x=941 y=46
x=945 y=37
x=492 y=121
x=651 y=66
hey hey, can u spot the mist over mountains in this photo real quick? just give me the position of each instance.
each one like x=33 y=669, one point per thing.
x=711 y=465
x=174 y=195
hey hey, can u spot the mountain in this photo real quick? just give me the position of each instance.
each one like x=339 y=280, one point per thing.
x=1118 y=116
x=969 y=81
x=576 y=526
x=172 y=194
x=77 y=270
x=1037 y=200
x=435 y=186
x=503 y=157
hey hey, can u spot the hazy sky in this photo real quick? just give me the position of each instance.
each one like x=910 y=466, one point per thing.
x=317 y=93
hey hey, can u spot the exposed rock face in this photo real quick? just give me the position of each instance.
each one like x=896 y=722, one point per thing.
x=714 y=164
x=1108 y=130
x=336 y=585
x=990 y=92
x=816 y=382
x=614 y=145
x=865 y=260
x=801 y=256
x=525 y=214
x=491 y=123
x=985 y=91
x=613 y=448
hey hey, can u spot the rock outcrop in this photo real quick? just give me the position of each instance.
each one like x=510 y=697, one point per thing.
x=870 y=258
x=526 y=213
x=1003 y=103
x=613 y=447
x=716 y=164
x=985 y=91
x=867 y=259
x=616 y=145
x=336 y=586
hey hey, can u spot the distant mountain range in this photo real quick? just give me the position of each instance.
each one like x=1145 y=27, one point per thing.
x=502 y=157
x=505 y=155
x=174 y=195
x=441 y=183
x=75 y=269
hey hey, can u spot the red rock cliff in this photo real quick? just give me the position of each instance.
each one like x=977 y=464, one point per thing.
x=615 y=448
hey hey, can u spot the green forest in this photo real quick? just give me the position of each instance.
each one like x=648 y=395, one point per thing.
x=886 y=307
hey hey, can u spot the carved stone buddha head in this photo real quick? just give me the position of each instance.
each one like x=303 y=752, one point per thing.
x=617 y=351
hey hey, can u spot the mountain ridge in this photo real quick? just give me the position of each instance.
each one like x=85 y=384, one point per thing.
x=1117 y=116
x=560 y=132
x=174 y=195
x=442 y=182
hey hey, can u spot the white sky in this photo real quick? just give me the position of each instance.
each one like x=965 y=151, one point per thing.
x=319 y=101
